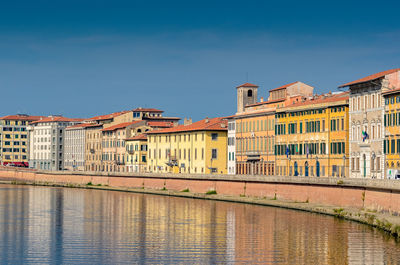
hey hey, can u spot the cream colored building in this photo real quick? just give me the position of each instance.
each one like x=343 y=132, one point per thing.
x=136 y=157
x=366 y=115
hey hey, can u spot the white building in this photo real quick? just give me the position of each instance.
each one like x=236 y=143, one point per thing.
x=231 y=146
x=46 y=142
x=74 y=150
x=366 y=123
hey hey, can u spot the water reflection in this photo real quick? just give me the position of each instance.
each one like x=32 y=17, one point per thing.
x=72 y=226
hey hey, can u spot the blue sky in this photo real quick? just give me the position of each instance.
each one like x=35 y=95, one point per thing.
x=85 y=58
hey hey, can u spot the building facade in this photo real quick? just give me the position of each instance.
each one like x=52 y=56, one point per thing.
x=136 y=153
x=231 y=146
x=94 y=148
x=391 y=146
x=113 y=146
x=105 y=148
x=367 y=134
x=255 y=125
x=46 y=142
x=198 y=148
x=311 y=137
x=14 y=139
x=75 y=144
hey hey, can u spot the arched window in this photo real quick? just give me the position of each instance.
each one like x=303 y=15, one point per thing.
x=250 y=93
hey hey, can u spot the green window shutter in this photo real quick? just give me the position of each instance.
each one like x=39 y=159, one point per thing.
x=384 y=147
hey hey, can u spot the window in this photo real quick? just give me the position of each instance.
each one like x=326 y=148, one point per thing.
x=214 y=154
x=250 y=93
x=378 y=163
x=214 y=136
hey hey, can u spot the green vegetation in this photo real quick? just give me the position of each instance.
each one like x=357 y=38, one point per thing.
x=340 y=182
x=210 y=192
x=99 y=184
x=274 y=198
x=89 y=183
x=339 y=212
x=370 y=218
x=185 y=190
x=164 y=188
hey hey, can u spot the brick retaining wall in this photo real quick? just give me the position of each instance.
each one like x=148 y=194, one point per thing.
x=380 y=195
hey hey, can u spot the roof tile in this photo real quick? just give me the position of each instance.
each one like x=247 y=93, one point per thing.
x=371 y=77
x=215 y=124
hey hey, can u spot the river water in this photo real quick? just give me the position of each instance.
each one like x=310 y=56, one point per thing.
x=43 y=225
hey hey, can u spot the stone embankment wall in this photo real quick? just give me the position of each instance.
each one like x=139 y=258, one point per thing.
x=376 y=195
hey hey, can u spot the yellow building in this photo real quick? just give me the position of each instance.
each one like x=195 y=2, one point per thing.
x=136 y=153
x=14 y=139
x=199 y=147
x=392 y=133
x=311 y=137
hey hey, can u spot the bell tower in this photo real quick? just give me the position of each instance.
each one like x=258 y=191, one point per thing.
x=246 y=95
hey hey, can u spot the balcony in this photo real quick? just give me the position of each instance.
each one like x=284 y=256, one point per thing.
x=121 y=163
x=172 y=161
x=252 y=153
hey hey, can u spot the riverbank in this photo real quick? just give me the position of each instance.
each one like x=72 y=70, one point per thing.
x=389 y=222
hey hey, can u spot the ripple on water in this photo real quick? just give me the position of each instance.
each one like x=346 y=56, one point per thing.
x=41 y=225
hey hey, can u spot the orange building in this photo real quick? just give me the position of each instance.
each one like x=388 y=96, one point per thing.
x=255 y=125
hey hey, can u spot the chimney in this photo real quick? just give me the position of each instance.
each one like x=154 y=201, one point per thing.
x=262 y=99
x=207 y=120
x=187 y=121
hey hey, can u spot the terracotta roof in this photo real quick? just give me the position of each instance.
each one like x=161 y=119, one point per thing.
x=82 y=125
x=138 y=137
x=148 y=110
x=107 y=116
x=57 y=119
x=161 y=118
x=119 y=126
x=215 y=124
x=22 y=117
x=247 y=85
x=164 y=124
x=266 y=102
x=321 y=99
x=284 y=86
x=371 y=77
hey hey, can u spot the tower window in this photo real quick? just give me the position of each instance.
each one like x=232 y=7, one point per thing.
x=250 y=93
